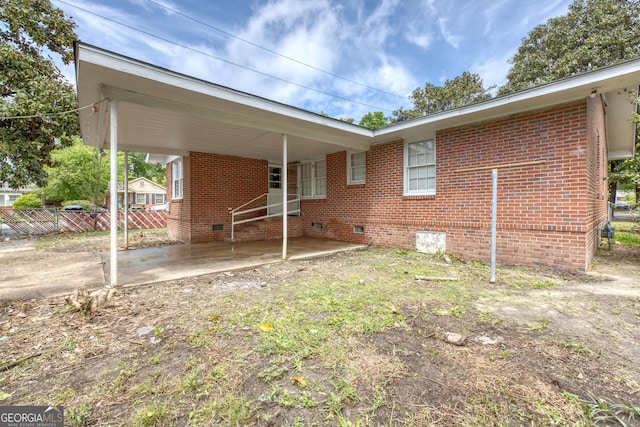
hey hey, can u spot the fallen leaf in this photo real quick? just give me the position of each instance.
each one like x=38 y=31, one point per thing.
x=266 y=327
x=301 y=381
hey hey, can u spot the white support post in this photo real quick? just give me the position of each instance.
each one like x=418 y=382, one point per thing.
x=125 y=200
x=285 y=196
x=494 y=220
x=114 y=193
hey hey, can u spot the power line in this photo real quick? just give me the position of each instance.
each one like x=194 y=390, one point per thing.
x=274 y=52
x=377 y=108
x=61 y=113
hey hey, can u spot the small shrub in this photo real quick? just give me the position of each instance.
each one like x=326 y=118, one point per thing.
x=28 y=201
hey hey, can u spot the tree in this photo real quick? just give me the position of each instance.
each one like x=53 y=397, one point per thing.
x=79 y=173
x=34 y=95
x=154 y=172
x=593 y=34
x=465 y=89
x=374 y=120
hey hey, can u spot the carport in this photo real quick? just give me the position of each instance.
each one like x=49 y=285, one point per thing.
x=131 y=106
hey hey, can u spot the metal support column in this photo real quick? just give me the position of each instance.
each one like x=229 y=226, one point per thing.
x=113 y=157
x=285 y=196
x=125 y=200
x=494 y=221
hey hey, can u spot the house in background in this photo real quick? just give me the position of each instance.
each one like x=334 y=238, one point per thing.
x=421 y=184
x=144 y=193
x=9 y=195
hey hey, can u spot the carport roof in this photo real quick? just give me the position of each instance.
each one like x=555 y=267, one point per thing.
x=168 y=113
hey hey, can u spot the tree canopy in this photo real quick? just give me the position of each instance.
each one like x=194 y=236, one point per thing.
x=465 y=89
x=374 y=120
x=154 y=172
x=593 y=34
x=79 y=174
x=34 y=95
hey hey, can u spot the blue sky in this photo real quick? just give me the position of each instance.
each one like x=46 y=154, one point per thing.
x=342 y=58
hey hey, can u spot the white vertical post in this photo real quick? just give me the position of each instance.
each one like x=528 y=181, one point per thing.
x=125 y=200
x=285 y=196
x=114 y=193
x=494 y=220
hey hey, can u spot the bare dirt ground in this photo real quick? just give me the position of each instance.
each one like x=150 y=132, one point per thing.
x=351 y=339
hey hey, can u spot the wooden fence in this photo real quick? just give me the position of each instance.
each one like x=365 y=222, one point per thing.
x=44 y=221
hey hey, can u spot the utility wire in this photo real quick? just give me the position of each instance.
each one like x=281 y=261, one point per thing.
x=377 y=108
x=61 y=113
x=273 y=51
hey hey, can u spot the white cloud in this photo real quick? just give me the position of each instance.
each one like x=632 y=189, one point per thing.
x=493 y=70
x=421 y=40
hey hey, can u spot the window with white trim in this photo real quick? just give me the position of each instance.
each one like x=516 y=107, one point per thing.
x=357 y=167
x=177 y=177
x=420 y=168
x=158 y=199
x=141 y=198
x=313 y=179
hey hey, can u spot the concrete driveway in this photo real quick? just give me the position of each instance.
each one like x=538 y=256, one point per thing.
x=27 y=273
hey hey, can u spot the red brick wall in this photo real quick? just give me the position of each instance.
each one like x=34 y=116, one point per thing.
x=214 y=184
x=545 y=212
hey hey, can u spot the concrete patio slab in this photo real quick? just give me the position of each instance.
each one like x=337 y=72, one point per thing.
x=149 y=265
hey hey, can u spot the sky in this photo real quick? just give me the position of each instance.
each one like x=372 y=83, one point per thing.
x=340 y=58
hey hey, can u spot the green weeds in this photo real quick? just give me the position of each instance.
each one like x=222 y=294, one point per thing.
x=599 y=410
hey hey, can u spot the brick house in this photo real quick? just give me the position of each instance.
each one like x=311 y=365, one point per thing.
x=420 y=184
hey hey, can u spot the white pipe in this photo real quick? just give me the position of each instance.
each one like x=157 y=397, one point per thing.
x=285 y=195
x=114 y=193
x=494 y=219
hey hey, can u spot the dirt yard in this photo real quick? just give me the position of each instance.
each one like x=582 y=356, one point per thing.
x=366 y=338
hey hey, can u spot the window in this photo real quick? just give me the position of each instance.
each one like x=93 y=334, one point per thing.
x=357 y=167
x=2 y=198
x=158 y=199
x=177 y=176
x=13 y=198
x=420 y=168
x=313 y=179
x=141 y=198
x=275 y=177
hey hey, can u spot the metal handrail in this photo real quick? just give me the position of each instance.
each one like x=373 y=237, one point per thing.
x=249 y=202
x=235 y=212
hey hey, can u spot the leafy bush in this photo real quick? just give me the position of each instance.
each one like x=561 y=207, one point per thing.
x=86 y=204
x=28 y=201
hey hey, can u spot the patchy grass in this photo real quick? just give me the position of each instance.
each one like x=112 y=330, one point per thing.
x=354 y=339
x=627 y=233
